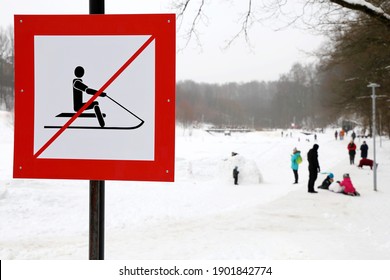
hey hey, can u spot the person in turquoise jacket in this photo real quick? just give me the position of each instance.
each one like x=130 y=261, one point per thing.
x=295 y=160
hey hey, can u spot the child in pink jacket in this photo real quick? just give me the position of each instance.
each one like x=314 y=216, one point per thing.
x=347 y=185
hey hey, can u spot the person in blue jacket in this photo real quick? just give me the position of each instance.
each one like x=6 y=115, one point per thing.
x=295 y=164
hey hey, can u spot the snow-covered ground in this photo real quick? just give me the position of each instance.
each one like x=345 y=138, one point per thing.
x=202 y=215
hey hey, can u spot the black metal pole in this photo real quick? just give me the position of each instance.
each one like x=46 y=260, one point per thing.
x=96 y=220
x=96 y=188
x=96 y=7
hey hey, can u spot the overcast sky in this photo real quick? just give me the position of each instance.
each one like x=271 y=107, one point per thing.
x=270 y=53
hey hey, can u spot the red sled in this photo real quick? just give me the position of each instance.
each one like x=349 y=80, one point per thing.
x=366 y=162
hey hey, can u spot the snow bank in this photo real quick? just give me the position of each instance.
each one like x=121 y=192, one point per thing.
x=203 y=215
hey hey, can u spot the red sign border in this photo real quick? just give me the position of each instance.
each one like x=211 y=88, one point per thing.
x=162 y=28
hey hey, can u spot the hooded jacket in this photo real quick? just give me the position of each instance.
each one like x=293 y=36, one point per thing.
x=294 y=157
x=312 y=157
x=364 y=150
x=348 y=186
x=351 y=148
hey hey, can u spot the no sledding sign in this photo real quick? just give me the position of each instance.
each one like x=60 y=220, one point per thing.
x=95 y=97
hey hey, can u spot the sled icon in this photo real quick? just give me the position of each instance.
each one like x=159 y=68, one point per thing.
x=78 y=89
x=100 y=117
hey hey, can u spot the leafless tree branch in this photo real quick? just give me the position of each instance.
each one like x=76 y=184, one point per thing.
x=366 y=8
x=245 y=25
x=182 y=7
x=319 y=16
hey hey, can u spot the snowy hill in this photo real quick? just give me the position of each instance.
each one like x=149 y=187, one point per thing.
x=202 y=215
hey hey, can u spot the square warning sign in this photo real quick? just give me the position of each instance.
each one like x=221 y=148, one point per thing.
x=95 y=97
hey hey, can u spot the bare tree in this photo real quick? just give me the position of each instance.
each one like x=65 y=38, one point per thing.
x=317 y=15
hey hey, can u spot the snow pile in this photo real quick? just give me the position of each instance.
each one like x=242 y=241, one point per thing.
x=249 y=172
x=221 y=170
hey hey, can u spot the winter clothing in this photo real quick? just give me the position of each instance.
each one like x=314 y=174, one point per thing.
x=352 y=152
x=312 y=157
x=294 y=157
x=314 y=167
x=326 y=183
x=364 y=150
x=341 y=134
x=295 y=164
x=348 y=186
x=235 y=175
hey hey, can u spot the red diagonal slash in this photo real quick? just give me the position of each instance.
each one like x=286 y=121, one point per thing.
x=96 y=95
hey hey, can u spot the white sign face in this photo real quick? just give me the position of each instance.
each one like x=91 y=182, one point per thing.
x=120 y=124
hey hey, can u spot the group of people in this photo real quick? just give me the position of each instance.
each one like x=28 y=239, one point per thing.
x=314 y=166
x=352 y=151
x=345 y=186
x=343 y=133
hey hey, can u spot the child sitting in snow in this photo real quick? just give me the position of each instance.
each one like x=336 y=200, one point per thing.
x=347 y=185
x=326 y=183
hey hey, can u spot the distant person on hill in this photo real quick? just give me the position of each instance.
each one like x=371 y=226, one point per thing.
x=352 y=152
x=296 y=159
x=364 y=150
x=336 y=134
x=341 y=134
x=235 y=175
x=314 y=167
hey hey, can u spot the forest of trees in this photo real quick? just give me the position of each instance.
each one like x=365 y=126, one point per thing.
x=291 y=99
x=356 y=54
x=6 y=69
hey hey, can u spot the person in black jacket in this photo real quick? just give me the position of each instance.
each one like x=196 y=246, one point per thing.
x=314 y=167
x=235 y=175
x=327 y=182
x=364 y=150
